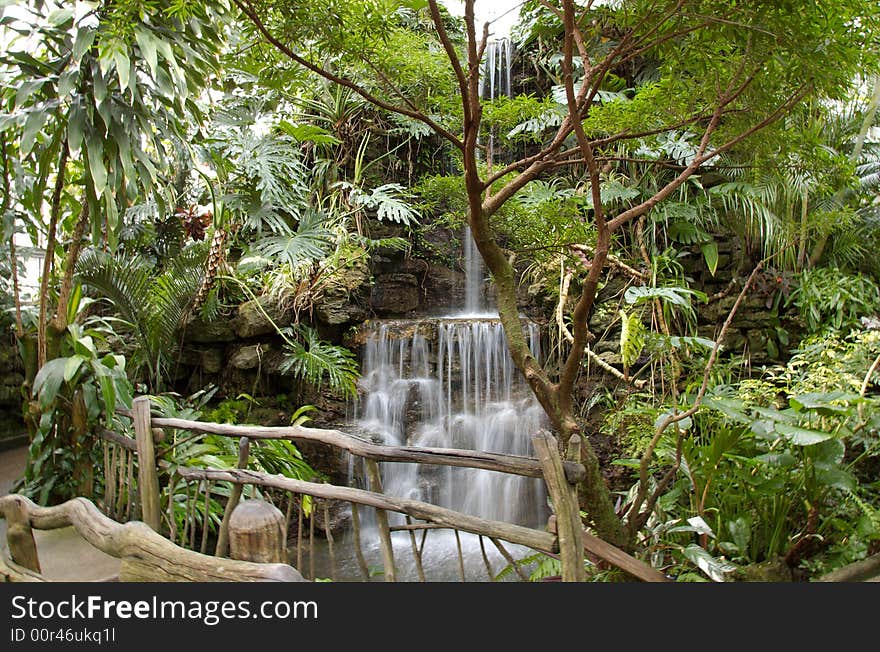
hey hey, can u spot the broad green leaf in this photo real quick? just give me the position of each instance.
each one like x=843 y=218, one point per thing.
x=60 y=16
x=715 y=568
x=147 y=43
x=822 y=403
x=710 y=254
x=764 y=428
x=95 y=159
x=85 y=346
x=73 y=303
x=801 y=436
x=123 y=66
x=99 y=84
x=741 y=531
x=108 y=393
x=164 y=48
x=830 y=452
x=85 y=37
x=67 y=82
x=834 y=476
x=48 y=381
x=26 y=88
x=71 y=366
x=731 y=408
x=781 y=416
x=112 y=216
x=123 y=390
x=35 y=121
x=784 y=460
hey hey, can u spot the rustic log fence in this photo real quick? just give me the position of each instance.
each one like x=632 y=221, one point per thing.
x=145 y=555
x=132 y=490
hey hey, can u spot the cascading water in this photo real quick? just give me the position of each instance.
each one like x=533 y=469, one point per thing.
x=495 y=82
x=449 y=382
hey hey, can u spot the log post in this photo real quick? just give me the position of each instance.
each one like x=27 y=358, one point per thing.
x=148 y=476
x=256 y=533
x=382 y=521
x=20 y=539
x=564 y=497
x=244 y=449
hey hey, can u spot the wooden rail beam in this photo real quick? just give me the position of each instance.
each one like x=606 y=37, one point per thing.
x=504 y=463
x=536 y=539
x=146 y=555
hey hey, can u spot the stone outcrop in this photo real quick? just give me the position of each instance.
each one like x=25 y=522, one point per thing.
x=11 y=380
x=395 y=294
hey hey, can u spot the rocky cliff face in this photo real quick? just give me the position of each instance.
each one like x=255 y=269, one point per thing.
x=11 y=379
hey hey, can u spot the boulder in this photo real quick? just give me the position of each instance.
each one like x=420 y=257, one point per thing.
x=337 y=309
x=212 y=360
x=217 y=331
x=247 y=357
x=251 y=319
x=344 y=295
x=395 y=294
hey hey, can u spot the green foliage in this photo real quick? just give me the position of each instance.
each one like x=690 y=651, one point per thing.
x=774 y=463
x=632 y=338
x=112 y=87
x=77 y=393
x=828 y=298
x=523 y=118
x=441 y=195
x=153 y=306
x=182 y=448
x=309 y=358
x=389 y=201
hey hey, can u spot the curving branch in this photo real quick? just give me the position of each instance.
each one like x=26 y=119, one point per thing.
x=252 y=15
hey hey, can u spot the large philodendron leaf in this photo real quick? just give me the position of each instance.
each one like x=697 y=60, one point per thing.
x=49 y=380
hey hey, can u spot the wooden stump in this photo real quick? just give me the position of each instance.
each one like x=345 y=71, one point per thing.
x=256 y=533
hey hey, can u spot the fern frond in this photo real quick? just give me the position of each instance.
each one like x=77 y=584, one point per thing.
x=632 y=338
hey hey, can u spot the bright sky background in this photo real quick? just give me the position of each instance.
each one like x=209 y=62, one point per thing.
x=503 y=12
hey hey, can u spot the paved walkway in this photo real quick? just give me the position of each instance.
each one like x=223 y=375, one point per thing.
x=64 y=555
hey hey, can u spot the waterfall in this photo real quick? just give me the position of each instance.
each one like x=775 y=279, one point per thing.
x=451 y=383
x=493 y=83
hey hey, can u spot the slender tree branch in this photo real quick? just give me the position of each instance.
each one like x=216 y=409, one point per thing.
x=253 y=16
x=451 y=54
x=59 y=321
x=673 y=185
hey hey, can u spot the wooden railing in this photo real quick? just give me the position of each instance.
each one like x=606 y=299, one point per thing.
x=145 y=555
x=564 y=537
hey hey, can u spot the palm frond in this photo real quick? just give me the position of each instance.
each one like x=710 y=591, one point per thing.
x=126 y=283
x=173 y=294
